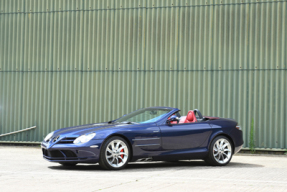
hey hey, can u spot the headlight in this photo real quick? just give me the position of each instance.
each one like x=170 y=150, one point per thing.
x=84 y=138
x=49 y=136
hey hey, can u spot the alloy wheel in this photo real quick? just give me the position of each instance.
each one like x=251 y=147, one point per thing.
x=117 y=153
x=222 y=151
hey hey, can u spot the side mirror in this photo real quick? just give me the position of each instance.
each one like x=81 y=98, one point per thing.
x=172 y=118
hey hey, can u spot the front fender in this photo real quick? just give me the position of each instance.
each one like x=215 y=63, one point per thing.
x=103 y=134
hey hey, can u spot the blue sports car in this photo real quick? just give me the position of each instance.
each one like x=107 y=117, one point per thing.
x=153 y=134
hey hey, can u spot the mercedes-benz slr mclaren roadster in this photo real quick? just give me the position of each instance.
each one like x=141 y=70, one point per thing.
x=153 y=134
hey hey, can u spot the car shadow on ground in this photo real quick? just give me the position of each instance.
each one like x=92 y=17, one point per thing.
x=148 y=166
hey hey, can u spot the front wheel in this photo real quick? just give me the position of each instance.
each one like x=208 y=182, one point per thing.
x=114 y=154
x=220 y=152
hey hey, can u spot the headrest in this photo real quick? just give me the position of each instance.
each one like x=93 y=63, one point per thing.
x=190 y=116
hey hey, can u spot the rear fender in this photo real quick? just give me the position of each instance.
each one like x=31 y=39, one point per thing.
x=221 y=133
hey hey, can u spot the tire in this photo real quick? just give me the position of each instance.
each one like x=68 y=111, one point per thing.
x=68 y=164
x=115 y=154
x=220 y=151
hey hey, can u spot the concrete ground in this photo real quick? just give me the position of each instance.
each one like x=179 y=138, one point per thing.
x=24 y=169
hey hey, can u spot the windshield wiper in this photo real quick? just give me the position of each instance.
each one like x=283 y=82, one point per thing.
x=111 y=122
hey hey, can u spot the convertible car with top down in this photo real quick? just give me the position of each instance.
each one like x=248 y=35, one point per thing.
x=148 y=134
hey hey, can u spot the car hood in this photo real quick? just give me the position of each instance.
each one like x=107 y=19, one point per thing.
x=84 y=129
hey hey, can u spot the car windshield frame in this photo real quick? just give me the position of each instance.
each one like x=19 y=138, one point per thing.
x=129 y=118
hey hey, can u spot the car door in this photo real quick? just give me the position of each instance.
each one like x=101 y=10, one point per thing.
x=146 y=137
x=184 y=136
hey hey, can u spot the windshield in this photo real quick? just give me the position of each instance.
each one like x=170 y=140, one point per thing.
x=147 y=115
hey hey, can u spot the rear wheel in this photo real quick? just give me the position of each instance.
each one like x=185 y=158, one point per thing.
x=115 y=154
x=220 y=152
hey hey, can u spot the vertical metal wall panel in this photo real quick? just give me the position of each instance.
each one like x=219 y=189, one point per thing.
x=65 y=63
x=12 y=6
x=11 y=88
x=38 y=33
x=35 y=105
x=40 y=6
x=96 y=98
x=11 y=47
x=67 y=41
x=65 y=99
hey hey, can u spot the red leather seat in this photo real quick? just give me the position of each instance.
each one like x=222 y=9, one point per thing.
x=190 y=118
x=182 y=119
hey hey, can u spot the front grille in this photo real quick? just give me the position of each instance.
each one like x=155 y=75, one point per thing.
x=69 y=153
x=45 y=152
x=59 y=153
x=56 y=153
x=67 y=140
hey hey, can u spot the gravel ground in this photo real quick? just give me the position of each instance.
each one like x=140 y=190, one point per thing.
x=24 y=169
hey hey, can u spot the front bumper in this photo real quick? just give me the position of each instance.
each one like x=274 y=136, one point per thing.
x=82 y=153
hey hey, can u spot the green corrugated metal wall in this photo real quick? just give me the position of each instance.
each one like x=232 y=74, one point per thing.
x=71 y=62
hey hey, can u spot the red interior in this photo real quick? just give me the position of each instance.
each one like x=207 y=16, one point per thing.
x=182 y=119
x=190 y=118
x=172 y=122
